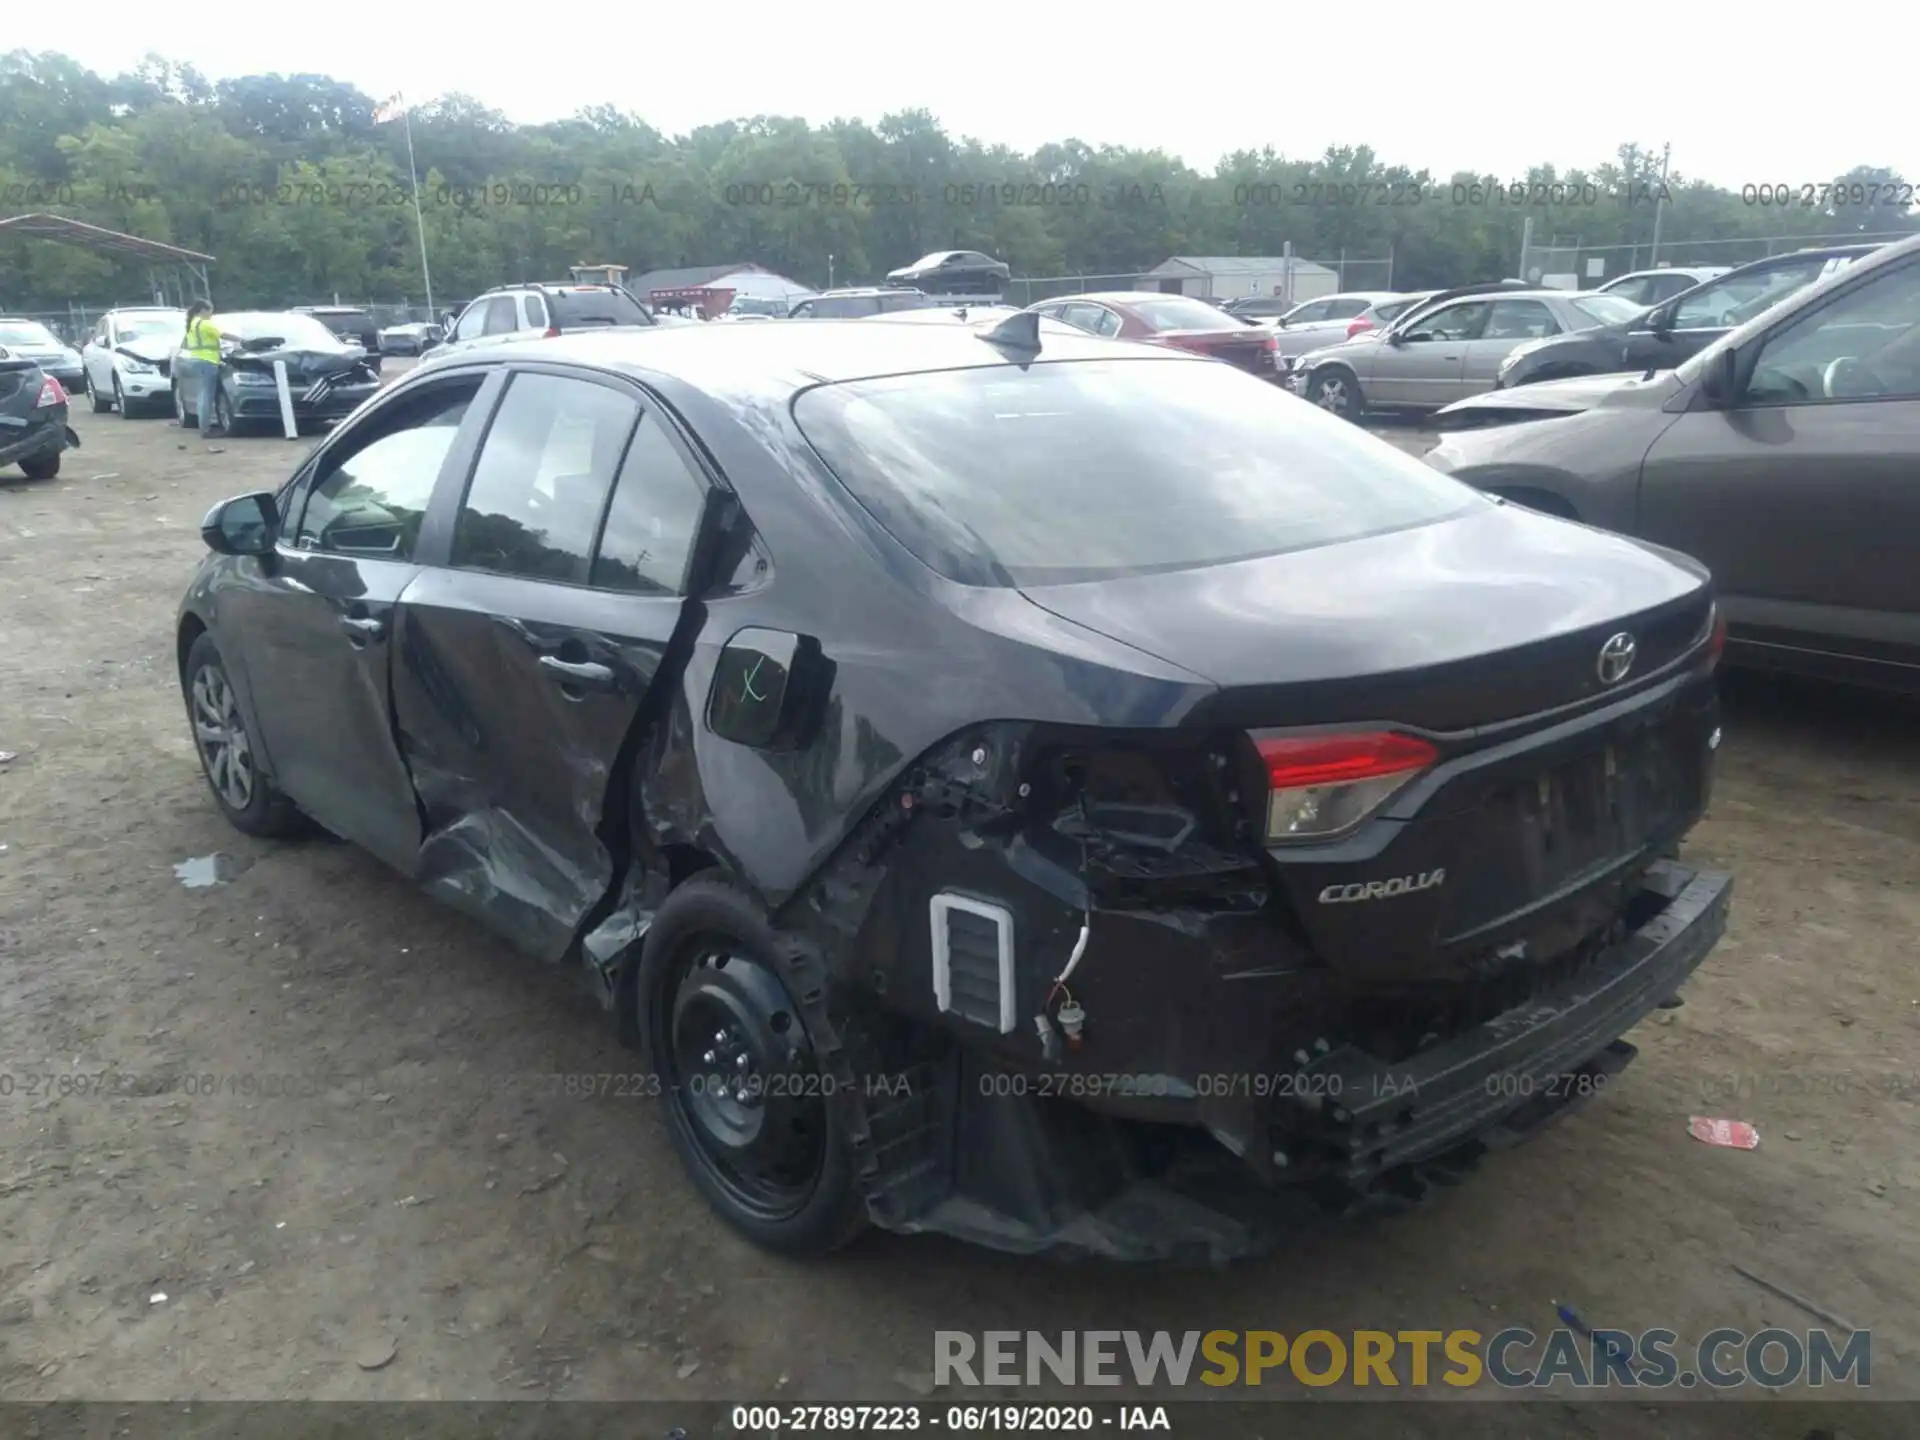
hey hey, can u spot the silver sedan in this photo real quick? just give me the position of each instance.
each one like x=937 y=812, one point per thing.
x=1436 y=356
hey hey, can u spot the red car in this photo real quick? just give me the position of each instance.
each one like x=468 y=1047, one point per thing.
x=1178 y=321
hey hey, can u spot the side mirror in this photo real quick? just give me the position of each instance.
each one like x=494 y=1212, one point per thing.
x=244 y=525
x=1661 y=321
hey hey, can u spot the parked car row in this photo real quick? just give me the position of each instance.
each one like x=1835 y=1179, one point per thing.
x=865 y=711
x=1785 y=454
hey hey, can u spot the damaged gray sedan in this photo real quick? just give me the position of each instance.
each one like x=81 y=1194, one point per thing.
x=1010 y=783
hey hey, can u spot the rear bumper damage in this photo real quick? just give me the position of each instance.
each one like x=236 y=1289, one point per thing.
x=1218 y=1166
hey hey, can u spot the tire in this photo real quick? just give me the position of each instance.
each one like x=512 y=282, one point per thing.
x=120 y=401
x=40 y=467
x=1337 y=392
x=223 y=411
x=247 y=798
x=188 y=421
x=93 y=395
x=788 y=1182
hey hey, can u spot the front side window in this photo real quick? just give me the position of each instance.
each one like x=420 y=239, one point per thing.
x=542 y=479
x=369 y=504
x=1735 y=299
x=1452 y=322
x=1609 y=309
x=1086 y=470
x=1865 y=345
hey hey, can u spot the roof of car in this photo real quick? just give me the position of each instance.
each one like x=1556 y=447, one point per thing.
x=741 y=359
x=862 y=290
x=1120 y=297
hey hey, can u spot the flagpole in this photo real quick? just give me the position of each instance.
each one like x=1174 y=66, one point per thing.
x=419 y=220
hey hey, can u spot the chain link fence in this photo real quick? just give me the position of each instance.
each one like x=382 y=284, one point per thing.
x=1583 y=267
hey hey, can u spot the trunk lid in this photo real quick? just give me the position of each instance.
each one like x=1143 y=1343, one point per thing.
x=1472 y=621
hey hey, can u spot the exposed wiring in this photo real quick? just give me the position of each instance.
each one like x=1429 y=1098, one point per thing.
x=1058 y=990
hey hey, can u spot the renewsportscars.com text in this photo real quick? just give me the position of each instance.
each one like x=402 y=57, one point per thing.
x=1514 y=1358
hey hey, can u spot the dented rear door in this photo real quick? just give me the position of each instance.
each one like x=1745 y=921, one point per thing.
x=525 y=661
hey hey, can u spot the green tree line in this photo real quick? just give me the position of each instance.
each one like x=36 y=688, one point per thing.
x=288 y=181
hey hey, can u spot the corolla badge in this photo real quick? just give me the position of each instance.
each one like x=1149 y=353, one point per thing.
x=1616 y=658
x=1382 y=889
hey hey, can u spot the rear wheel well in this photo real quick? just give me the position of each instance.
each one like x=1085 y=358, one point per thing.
x=1545 y=501
x=684 y=862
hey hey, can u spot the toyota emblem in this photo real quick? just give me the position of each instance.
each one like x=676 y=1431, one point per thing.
x=1616 y=658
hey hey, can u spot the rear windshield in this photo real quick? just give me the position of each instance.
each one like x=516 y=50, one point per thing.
x=26 y=332
x=1177 y=312
x=596 y=307
x=346 y=322
x=1089 y=470
x=852 y=307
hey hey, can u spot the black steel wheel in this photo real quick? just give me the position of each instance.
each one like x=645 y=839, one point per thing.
x=751 y=1102
x=246 y=796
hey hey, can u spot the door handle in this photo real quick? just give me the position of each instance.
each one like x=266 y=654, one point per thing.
x=362 y=628
x=583 y=675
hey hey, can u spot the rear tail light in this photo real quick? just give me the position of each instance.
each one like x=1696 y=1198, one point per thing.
x=1716 y=636
x=1359 y=324
x=1321 y=785
x=51 y=393
x=1271 y=345
x=553 y=333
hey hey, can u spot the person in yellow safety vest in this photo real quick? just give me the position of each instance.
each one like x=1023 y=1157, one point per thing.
x=201 y=362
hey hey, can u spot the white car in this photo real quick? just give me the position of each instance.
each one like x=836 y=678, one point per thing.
x=128 y=357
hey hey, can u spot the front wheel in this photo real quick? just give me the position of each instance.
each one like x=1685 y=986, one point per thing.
x=754 y=1102
x=223 y=410
x=246 y=797
x=1336 y=392
x=93 y=395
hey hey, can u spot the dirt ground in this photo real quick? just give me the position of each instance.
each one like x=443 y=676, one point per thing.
x=417 y=1190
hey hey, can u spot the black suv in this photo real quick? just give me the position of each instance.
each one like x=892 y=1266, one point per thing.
x=348 y=323
x=1675 y=329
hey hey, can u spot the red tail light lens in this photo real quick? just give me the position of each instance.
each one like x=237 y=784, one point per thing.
x=1271 y=345
x=1717 y=639
x=1358 y=324
x=553 y=333
x=1322 y=785
x=51 y=393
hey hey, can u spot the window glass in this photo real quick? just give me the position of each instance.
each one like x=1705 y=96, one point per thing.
x=1344 y=309
x=1106 y=322
x=576 y=307
x=542 y=478
x=1082 y=317
x=1736 y=299
x=1863 y=346
x=1181 y=312
x=1084 y=470
x=1520 y=320
x=370 y=504
x=1452 y=322
x=1609 y=309
x=651 y=524
x=1665 y=287
x=1638 y=291
x=501 y=317
x=536 y=312
x=472 y=322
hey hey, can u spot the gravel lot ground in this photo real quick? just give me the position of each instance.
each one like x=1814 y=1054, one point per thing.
x=516 y=1244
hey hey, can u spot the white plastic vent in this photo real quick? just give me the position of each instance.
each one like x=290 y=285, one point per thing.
x=973 y=960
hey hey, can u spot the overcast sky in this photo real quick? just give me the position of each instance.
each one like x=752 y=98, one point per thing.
x=1741 y=102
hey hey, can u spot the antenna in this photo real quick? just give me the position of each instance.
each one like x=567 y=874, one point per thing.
x=1016 y=332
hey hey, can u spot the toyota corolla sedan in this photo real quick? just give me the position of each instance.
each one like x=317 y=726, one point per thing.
x=1053 y=791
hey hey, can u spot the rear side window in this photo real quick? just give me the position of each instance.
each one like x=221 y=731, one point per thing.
x=536 y=312
x=542 y=479
x=1089 y=470
x=574 y=309
x=653 y=519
